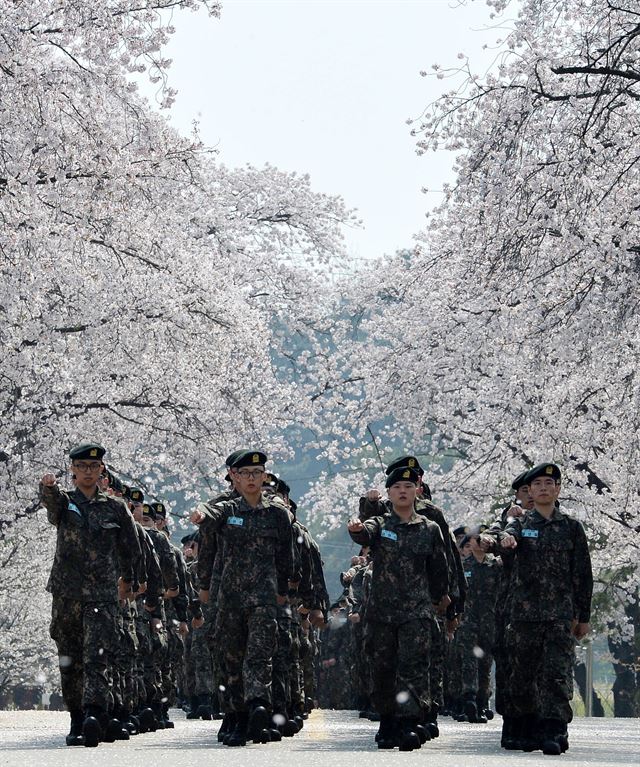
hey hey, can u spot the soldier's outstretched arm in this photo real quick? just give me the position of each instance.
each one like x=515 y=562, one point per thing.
x=52 y=498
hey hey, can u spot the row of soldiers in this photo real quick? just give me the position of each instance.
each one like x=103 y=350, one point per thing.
x=519 y=590
x=124 y=600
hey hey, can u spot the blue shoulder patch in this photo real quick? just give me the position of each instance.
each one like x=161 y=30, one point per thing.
x=467 y=573
x=529 y=533
x=389 y=534
x=72 y=507
x=236 y=521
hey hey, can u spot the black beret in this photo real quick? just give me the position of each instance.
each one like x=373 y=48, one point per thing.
x=543 y=470
x=147 y=511
x=402 y=474
x=87 y=450
x=270 y=480
x=116 y=484
x=282 y=487
x=519 y=481
x=462 y=530
x=159 y=509
x=249 y=458
x=137 y=496
x=190 y=538
x=405 y=461
x=232 y=457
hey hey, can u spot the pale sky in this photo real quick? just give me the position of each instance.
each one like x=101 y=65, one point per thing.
x=325 y=88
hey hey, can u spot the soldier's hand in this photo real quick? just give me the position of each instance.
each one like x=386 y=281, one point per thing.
x=443 y=604
x=354 y=617
x=281 y=600
x=580 y=630
x=486 y=542
x=124 y=589
x=183 y=628
x=142 y=587
x=49 y=480
x=328 y=663
x=197 y=623
x=345 y=577
x=316 y=618
x=373 y=495
x=516 y=511
x=203 y=596
x=197 y=517
x=450 y=627
x=171 y=593
x=355 y=526
x=508 y=542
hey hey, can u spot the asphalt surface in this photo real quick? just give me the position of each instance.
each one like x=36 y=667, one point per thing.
x=329 y=739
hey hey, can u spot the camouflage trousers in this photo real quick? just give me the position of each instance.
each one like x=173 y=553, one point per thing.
x=246 y=641
x=125 y=692
x=541 y=680
x=436 y=666
x=282 y=658
x=452 y=675
x=502 y=663
x=198 y=663
x=308 y=661
x=85 y=634
x=475 y=644
x=400 y=656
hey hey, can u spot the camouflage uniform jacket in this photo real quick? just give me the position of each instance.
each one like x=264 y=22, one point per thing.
x=149 y=569
x=208 y=547
x=256 y=552
x=457 y=587
x=96 y=543
x=552 y=578
x=484 y=579
x=166 y=558
x=409 y=567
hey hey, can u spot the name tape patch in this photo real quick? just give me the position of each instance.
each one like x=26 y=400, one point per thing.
x=529 y=533
x=389 y=534
x=237 y=521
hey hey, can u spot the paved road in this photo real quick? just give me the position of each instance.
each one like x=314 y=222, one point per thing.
x=329 y=739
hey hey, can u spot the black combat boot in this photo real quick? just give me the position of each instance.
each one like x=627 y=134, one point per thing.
x=409 y=739
x=194 y=705
x=258 y=721
x=239 y=735
x=431 y=722
x=507 y=737
x=168 y=724
x=204 y=708
x=553 y=737
x=75 y=737
x=91 y=726
x=146 y=720
x=386 y=737
x=226 y=727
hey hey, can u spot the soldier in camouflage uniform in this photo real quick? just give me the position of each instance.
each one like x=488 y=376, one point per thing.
x=410 y=573
x=475 y=637
x=550 y=609
x=257 y=562
x=94 y=565
x=521 y=503
x=446 y=624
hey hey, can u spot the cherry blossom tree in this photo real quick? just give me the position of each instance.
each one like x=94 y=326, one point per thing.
x=141 y=279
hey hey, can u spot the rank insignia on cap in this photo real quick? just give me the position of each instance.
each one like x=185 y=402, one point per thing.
x=255 y=458
x=549 y=470
x=93 y=453
x=406 y=474
x=411 y=462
